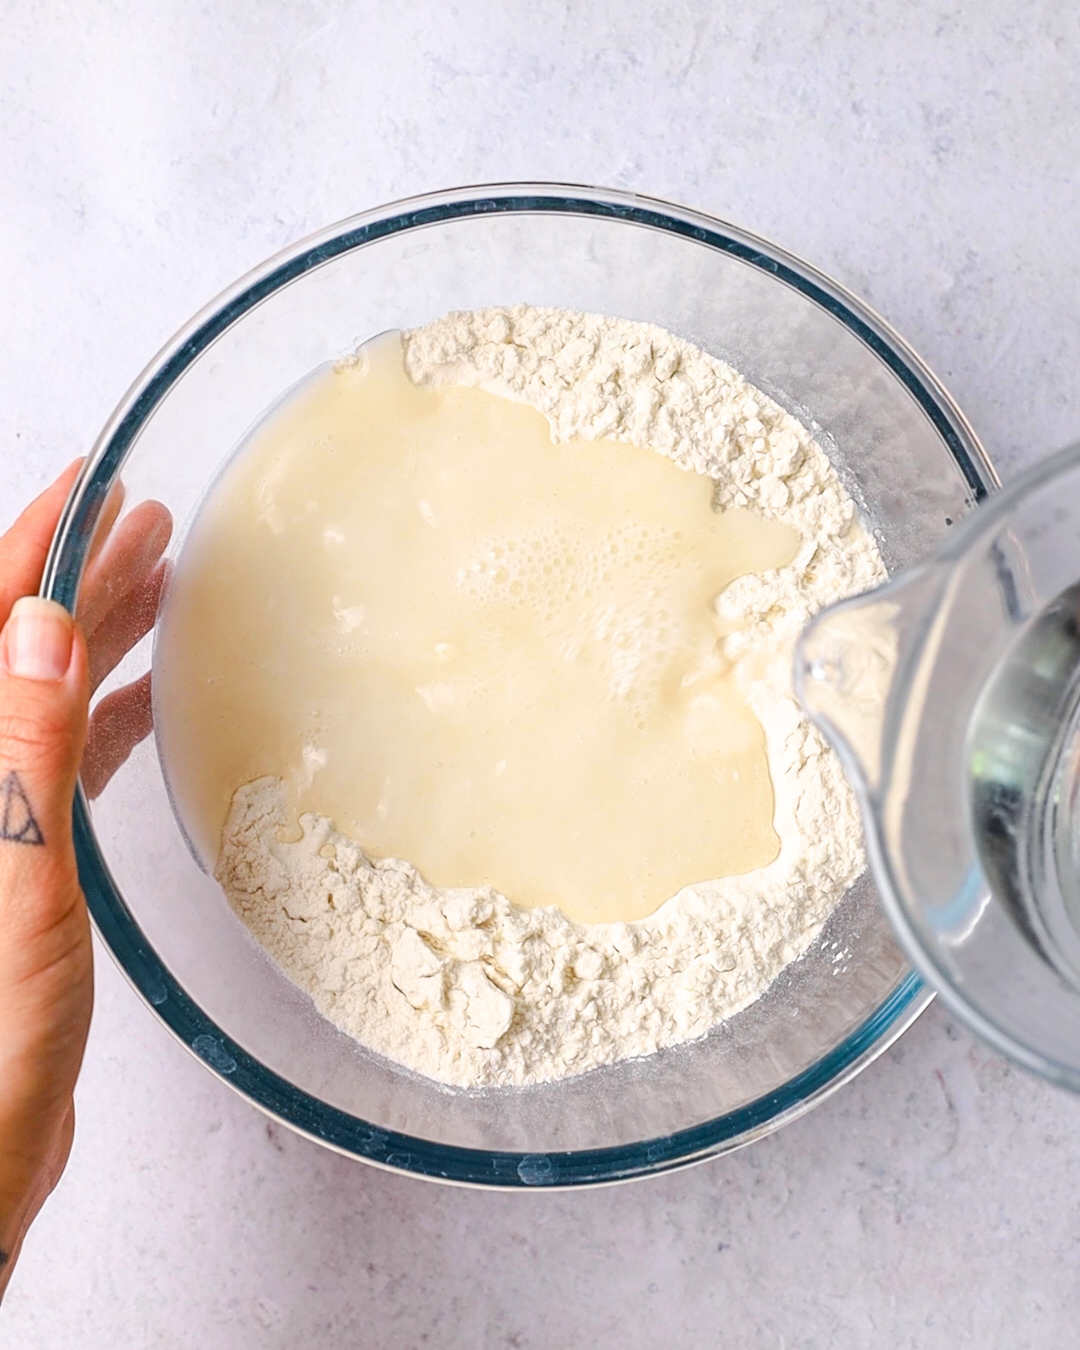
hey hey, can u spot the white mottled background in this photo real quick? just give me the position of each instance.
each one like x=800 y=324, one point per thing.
x=928 y=155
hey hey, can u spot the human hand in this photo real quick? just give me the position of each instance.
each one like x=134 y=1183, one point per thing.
x=48 y=671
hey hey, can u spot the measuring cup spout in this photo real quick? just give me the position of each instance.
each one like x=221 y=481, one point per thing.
x=846 y=663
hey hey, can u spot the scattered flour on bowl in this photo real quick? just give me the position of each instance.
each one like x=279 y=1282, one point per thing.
x=463 y=986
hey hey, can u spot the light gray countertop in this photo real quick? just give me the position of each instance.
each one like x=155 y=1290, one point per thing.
x=928 y=156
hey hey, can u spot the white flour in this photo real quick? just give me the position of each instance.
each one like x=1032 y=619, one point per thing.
x=461 y=985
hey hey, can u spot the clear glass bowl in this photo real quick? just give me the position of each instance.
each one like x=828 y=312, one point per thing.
x=900 y=445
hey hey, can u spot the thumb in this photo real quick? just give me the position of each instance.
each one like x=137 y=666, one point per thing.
x=46 y=964
x=43 y=713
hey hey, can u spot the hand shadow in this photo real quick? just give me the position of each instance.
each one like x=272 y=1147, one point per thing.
x=118 y=603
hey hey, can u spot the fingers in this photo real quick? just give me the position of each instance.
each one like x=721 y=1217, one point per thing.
x=129 y=556
x=125 y=625
x=119 y=722
x=106 y=520
x=24 y=548
x=121 y=593
x=119 y=597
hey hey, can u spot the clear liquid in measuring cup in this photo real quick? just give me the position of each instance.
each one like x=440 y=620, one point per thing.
x=1024 y=757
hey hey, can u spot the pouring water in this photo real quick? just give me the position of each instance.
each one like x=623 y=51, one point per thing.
x=952 y=695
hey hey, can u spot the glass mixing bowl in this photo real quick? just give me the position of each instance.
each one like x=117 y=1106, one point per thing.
x=902 y=448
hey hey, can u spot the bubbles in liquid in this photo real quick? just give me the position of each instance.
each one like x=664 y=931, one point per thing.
x=594 y=595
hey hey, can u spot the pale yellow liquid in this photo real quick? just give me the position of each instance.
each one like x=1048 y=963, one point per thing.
x=489 y=655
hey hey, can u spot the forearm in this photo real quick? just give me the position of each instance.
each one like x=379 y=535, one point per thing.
x=35 y=1141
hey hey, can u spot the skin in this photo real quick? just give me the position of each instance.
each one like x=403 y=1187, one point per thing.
x=47 y=737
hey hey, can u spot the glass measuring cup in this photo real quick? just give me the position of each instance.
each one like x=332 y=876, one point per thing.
x=952 y=695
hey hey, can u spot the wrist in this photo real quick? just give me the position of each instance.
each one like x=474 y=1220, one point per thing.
x=34 y=1147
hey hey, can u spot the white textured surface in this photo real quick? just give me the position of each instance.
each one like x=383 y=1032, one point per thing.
x=923 y=153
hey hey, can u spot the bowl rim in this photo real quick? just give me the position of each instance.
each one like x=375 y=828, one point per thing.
x=117 y=927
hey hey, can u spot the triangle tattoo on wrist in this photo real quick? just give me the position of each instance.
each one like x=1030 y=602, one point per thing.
x=17 y=823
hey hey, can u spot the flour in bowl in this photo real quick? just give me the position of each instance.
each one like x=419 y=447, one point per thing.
x=457 y=982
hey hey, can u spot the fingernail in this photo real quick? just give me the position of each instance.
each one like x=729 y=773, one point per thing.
x=37 y=639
